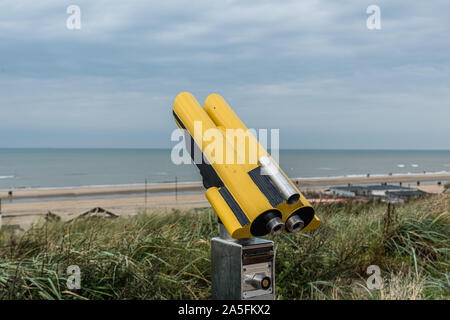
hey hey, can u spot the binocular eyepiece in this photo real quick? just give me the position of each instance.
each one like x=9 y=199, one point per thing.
x=275 y=226
x=293 y=224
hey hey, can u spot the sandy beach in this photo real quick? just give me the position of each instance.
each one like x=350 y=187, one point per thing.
x=101 y=191
x=28 y=206
x=172 y=188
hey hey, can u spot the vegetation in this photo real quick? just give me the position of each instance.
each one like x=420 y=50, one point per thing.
x=166 y=256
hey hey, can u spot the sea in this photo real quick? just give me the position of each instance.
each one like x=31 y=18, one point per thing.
x=69 y=168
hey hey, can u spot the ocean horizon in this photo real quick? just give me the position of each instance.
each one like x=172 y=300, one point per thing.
x=23 y=168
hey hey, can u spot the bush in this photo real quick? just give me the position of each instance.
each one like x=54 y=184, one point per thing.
x=166 y=255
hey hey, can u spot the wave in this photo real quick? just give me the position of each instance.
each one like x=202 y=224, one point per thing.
x=6 y=177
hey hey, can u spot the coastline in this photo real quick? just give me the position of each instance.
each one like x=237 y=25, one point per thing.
x=184 y=187
x=69 y=203
x=74 y=192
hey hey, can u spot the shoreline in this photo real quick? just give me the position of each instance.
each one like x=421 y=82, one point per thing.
x=130 y=200
x=184 y=187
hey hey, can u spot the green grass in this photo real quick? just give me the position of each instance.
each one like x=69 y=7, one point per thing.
x=166 y=255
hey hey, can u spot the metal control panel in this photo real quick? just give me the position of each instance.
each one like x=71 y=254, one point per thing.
x=242 y=269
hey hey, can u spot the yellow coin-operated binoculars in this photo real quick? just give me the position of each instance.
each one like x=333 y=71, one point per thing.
x=249 y=192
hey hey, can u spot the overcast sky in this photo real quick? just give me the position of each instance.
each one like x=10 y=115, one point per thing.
x=310 y=68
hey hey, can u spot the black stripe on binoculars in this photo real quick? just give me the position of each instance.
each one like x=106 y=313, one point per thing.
x=209 y=175
x=266 y=186
x=178 y=120
x=234 y=206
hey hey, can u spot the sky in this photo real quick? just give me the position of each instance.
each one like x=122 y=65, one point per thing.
x=312 y=69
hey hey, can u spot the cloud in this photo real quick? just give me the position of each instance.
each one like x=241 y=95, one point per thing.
x=277 y=63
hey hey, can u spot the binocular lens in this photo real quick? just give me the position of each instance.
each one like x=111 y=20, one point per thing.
x=294 y=223
x=275 y=226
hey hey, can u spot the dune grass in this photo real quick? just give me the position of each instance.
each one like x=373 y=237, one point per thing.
x=166 y=255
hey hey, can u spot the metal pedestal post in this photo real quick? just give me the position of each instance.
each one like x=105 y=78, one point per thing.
x=242 y=269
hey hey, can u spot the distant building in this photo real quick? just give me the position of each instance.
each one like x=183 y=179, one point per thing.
x=383 y=191
x=344 y=193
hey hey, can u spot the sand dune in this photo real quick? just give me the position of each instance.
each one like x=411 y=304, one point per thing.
x=25 y=213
